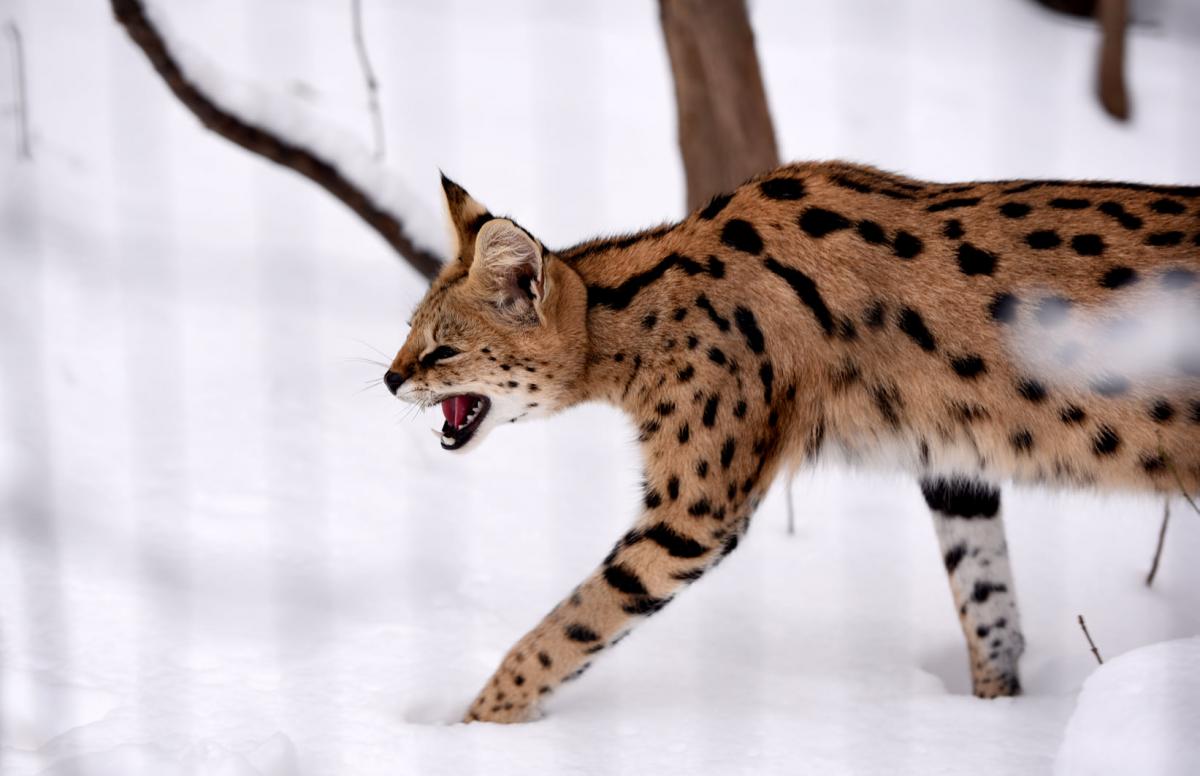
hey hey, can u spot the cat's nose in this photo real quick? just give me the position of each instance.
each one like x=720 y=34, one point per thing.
x=393 y=380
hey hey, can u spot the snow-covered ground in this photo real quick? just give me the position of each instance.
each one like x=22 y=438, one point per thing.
x=220 y=555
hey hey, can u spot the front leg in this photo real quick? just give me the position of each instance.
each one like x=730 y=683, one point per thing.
x=697 y=504
x=641 y=575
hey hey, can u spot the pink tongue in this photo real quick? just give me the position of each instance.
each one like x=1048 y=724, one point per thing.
x=456 y=409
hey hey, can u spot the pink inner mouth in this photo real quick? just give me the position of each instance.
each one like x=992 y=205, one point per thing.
x=456 y=409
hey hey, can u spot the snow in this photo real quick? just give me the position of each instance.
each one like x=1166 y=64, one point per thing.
x=224 y=551
x=1138 y=713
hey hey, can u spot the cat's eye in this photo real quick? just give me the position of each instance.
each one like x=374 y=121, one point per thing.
x=440 y=353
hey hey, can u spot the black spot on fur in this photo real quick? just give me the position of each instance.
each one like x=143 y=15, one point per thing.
x=1031 y=390
x=953 y=230
x=727 y=451
x=1153 y=463
x=1167 y=207
x=1164 y=239
x=702 y=468
x=1003 y=307
x=685 y=433
x=906 y=246
x=691 y=575
x=983 y=590
x=705 y=305
x=700 y=508
x=622 y=578
x=676 y=545
x=1088 y=244
x=1117 y=211
x=649 y=321
x=686 y=374
x=1194 y=411
x=767 y=375
x=887 y=400
x=875 y=316
x=742 y=235
x=1117 y=277
x=1105 y=442
x=581 y=633
x=953 y=204
x=818 y=222
x=645 y=605
x=871 y=232
x=954 y=556
x=1015 y=210
x=1110 y=385
x=545 y=660
x=912 y=324
x=1052 y=310
x=664 y=408
x=673 y=488
x=747 y=325
x=716 y=355
x=1043 y=239
x=652 y=499
x=850 y=184
x=1072 y=415
x=716 y=268
x=1021 y=440
x=961 y=497
x=1067 y=203
x=680 y=314
x=1162 y=411
x=975 y=261
x=619 y=297
x=710 y=410
x=739 y=409
x=806 y=290
x=782 y=188
x=715 y=206
x=968 y=366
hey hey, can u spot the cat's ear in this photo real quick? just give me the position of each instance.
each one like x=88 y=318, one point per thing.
x=467 y=216
x=509 y=267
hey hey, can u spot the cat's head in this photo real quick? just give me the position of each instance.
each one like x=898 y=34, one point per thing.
x=501 y=334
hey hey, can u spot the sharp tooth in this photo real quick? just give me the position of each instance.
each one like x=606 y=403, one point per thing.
x=448 y=440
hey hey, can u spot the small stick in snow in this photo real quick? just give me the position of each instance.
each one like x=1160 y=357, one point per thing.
x=21 y=107
x=791 y=507
x=1162 y=535
x=1091 y=643
x=364 y=62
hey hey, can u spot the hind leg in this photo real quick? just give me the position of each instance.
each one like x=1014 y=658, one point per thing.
x=966 y=517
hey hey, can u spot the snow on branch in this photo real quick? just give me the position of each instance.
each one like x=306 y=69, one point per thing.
x=272 y=126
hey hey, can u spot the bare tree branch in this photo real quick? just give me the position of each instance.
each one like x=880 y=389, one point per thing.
x=364 y=62
x=21 y=107
x=1113 y=16
x=1091 y=643
x=131 y=14
x=725 y=130
x=1162 y=537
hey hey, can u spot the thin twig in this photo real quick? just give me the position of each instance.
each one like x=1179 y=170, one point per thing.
x=1091 y=643
x=369 y=75
x=1162 y=536
x=22 y=104
x=791 y=508
x=132 y=15
x=1182 y=488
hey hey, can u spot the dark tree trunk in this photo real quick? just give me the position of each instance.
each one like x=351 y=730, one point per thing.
x=725 y=130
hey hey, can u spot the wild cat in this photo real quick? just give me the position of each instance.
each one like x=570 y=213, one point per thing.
x=822 y=308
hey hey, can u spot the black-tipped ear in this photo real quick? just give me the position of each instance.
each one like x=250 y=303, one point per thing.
x=466 y=216
x=509 y=266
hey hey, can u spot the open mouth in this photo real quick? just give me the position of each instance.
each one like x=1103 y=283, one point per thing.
x=463 y=414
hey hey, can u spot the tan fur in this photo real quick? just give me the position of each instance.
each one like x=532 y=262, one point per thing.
x=860 y=390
